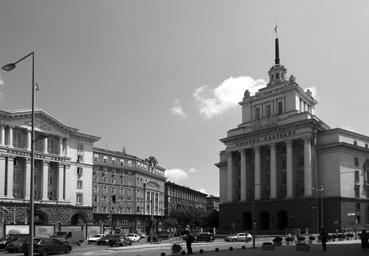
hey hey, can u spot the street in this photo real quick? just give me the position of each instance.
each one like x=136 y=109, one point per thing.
x=351 y=247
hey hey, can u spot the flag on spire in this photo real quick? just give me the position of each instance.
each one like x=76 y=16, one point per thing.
x=276 y=29
x=37 y=88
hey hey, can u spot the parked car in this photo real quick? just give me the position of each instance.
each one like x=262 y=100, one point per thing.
x=134 y=237
x=10 y=238
x=239 y=237
x=159 y=236
x=119 y=240
x=104 y=240
x=72 y=237
x=204 y=237
x=45 y=246
x=16 y=245
x=93 y=238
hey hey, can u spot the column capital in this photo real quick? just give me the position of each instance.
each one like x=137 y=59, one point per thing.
x=288 y=141
x=307 y=138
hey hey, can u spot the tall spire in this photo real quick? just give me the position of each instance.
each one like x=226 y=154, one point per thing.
x=276 y=61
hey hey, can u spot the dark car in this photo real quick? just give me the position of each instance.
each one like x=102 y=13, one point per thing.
x=204 y=237
x=16 y=245
x=104 y=240
x=119 y=240
x=45 y=246
x=10 y=238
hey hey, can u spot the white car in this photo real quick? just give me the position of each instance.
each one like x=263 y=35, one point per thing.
x=93 y=238
x=244 y=237
x=133 y=237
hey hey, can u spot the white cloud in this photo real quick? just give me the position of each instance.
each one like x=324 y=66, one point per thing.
x=177 y=109
x=227 y=95
x=202 y=190
x=192 y=170
x=176 y=175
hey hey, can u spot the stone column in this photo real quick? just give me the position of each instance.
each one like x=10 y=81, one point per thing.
x=60 y=146
x=45 y=145
x=44 y=180
x=307 y=167
x=10 y=137
x=29 y=140
x=289 y=169
x=27 y=180
x=2 y=139
x=10 y=179
x=273 y=172
x=230 y=177
x=60 y=182
x=2 y=176
x=243 y=175
x=257 y=178
x=66 y=147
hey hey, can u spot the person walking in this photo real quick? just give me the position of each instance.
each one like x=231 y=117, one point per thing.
x=364 y=240
x=323 y=236
x=189 y=240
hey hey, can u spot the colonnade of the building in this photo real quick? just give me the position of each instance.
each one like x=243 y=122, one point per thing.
x=257 y=182
x=152 y=203
x=7 y=138
x=7 y=165
x=7 y=179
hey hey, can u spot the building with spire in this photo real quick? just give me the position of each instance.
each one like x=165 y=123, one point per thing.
x=283 y=167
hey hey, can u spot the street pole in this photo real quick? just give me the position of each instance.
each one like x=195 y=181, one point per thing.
x=152 y=221
x=253 y=221
x=322 y=191
x=10 y=67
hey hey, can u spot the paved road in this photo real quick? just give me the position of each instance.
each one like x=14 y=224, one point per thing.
x=345 y=248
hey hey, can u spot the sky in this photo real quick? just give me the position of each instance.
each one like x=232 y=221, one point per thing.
x=164 y=78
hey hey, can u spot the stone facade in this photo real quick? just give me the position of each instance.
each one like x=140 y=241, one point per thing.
x=282 y=165
x=62 y=170
x=127 y=191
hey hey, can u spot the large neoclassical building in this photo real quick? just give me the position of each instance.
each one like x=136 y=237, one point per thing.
x=62 y=170
x=283 y=167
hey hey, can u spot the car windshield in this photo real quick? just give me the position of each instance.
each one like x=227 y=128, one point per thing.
x=96 y=236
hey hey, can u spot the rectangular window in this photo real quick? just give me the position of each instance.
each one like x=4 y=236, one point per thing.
x=96 y=157
x=80 y=147
x=79 y=158
x=50 y=180
x=129 y=209
x=357 y=191
x=79 y=184
x=50 y=195
x=95 y=189
x=257 y=113
x=79 y=172
x=269 y=111
x=104 y=190
x=96 y=199
x=105 y=159
x=357 y=177
x=356 y=161
x=355 y=142
x=95 y=209
x=280 y=108
x=79 y=198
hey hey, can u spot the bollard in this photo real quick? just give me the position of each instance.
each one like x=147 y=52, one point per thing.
x=231 y=248
x=201 y=251
x=217 y=249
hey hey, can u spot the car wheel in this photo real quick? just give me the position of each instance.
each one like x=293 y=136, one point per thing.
x=67 y=250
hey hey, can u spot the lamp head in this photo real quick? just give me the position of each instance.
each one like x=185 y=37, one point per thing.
x=9 y=67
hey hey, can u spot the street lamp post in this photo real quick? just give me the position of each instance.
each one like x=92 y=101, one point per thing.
x=10 y=67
